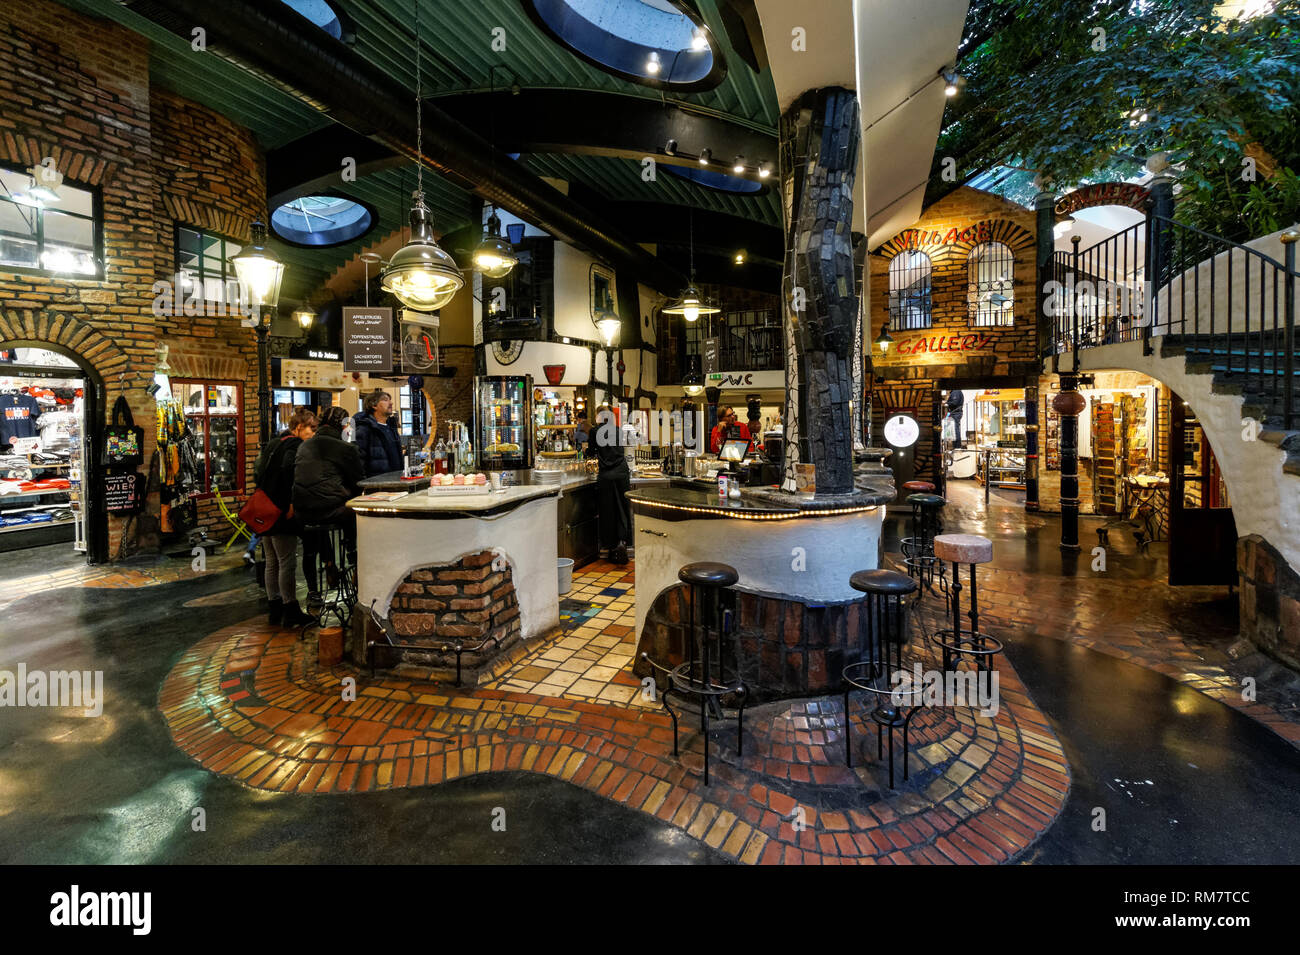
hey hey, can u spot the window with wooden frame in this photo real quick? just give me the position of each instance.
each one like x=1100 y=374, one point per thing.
x=214 y=411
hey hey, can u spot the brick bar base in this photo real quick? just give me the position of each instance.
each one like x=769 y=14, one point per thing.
x=1270 y=600
x=784 y=648
x=465 y=601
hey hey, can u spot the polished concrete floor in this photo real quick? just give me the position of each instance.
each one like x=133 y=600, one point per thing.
x=1181 y=777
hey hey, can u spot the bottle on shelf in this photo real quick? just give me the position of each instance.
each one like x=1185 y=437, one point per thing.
x=440 y=457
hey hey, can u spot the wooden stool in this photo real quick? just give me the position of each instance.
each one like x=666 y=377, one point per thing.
x=969 y=644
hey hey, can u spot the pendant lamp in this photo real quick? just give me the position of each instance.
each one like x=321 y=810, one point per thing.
x=494 y=257
x=691 y=304
x=421 y=275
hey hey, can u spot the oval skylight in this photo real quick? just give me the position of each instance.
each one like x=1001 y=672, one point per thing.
x=655 y=42
x=720 y=181
x=321 y=220
x=320 y=13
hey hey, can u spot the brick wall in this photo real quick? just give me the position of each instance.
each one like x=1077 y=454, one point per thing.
x=77 y=89
x=954 y=347
x=466 y=600
x=209 y=174
x=1270 y=600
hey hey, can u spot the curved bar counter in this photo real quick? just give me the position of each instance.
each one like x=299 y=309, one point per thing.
x=794 y=554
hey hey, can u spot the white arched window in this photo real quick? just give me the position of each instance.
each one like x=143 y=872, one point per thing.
x=909 y=290
x=990 y=294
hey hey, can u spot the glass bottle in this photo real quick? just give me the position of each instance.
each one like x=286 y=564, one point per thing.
x=440 y=458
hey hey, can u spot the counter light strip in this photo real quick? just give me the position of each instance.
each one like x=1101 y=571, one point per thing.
x=759 y=517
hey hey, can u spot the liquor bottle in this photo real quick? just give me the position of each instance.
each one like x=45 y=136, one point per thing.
x=440 y=458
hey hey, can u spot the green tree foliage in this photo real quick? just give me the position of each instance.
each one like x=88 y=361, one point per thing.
x=1085 y=90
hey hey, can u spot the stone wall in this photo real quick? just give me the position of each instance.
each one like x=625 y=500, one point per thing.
x=466 y=600
x=1270 y=600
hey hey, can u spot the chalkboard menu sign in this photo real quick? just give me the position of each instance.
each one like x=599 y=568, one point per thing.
x=123 y=493
x=368 y=340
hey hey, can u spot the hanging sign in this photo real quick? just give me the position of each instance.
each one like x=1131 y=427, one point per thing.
x=710 y=355
x=747 y=379
x=368 y=340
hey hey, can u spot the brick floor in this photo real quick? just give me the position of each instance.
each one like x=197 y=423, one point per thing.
x=249 y=702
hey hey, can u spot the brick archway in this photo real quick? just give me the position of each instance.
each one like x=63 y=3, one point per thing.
x=78 y=338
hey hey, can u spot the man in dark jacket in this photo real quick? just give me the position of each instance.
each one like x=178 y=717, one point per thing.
x=327 y=475
x=613 y=480
x=377 y=436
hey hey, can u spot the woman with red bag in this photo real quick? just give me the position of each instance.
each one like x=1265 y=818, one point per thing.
x=281 y=541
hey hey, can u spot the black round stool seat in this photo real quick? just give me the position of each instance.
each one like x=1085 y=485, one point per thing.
x=882 y=582
x=707 y=573
x=926 y=500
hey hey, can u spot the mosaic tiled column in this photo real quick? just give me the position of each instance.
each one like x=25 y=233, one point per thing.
x=820 y=133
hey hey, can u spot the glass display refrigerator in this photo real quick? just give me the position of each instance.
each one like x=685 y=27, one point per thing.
x=503 y=422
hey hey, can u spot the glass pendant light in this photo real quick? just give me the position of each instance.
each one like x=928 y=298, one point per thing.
x=421 y=275
x=691 y=304
x=494 y=257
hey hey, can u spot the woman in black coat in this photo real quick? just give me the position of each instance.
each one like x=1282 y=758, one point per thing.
x=327 y=476
x=377 y=436
x=280 y=543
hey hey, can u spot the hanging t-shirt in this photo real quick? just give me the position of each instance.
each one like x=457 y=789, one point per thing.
x=18 y=414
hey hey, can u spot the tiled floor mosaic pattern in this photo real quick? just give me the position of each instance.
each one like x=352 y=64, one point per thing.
x=144 y=572
x=249 y=702
x=592 y=661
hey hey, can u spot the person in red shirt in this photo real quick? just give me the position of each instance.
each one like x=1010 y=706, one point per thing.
x=728 y=426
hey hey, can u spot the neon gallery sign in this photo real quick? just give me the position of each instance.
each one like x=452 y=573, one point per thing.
x=939 y=344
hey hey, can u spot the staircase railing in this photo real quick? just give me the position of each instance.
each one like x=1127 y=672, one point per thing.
x=1232 y=307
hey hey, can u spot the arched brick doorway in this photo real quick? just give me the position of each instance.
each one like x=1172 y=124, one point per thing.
x=107 y=373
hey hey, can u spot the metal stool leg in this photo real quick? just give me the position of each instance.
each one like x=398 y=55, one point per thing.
x=848 y=732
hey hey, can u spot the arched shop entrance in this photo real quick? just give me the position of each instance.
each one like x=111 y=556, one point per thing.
x=51 y=439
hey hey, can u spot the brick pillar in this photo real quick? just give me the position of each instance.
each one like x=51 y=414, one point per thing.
x=819 y=154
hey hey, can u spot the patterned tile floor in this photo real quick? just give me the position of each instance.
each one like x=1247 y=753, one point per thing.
x=249 y=702
x=592 y=660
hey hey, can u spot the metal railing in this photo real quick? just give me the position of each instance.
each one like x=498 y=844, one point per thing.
x=1232 y=307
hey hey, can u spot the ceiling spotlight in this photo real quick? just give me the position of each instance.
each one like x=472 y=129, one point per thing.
x=652 y=64
x=739 y=165
x=739 y=258
x=764 y=170
x=698 y=41
x=670 y=148
x=951 y=82
x=705 y=156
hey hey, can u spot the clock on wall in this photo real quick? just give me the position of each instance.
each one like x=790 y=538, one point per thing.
x=506 y=352
x=902 y=431
x=419 y=349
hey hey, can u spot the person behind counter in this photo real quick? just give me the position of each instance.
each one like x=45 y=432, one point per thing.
x=728 y=427
x=613 y=481
x=580 y=433
x=377 y=436
x=327 y=476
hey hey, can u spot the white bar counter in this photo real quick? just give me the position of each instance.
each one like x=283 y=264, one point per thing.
x=421 y=530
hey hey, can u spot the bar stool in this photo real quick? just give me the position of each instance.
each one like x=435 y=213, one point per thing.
x=918 y=487
x=702 y=674
x=918 y=550
x=956 y=643
x=886 y=613
x=335 y=575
